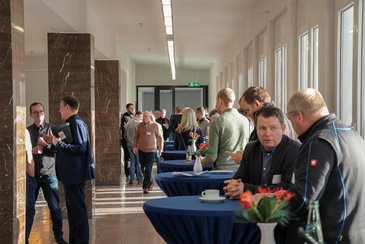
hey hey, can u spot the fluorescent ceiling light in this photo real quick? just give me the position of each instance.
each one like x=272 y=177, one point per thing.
x=169 y=30
x=166 y=2
x=167 y=10
x=167 y=15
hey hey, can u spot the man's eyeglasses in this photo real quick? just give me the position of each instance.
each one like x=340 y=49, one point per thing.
x=288 y=115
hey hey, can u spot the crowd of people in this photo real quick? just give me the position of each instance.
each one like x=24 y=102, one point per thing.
x=308 y=151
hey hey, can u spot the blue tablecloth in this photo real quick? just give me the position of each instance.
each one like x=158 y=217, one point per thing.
x=168 y=146
x=186 y=219
x=173 y=155
x=183 y=185
x=179 y=165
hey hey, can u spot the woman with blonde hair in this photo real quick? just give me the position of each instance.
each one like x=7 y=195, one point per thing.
x=188 y=124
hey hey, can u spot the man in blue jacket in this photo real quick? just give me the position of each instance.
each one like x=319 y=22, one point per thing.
x=74 y=166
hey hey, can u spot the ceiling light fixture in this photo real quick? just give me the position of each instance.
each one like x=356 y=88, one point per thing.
x=167 y=15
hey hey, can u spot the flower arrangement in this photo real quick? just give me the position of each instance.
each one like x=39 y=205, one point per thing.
x=202 y=149
x=194 y=136
x=267 y=206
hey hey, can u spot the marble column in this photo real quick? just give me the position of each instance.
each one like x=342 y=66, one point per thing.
x=12 y=122
x=71 y=72
x=107 y=139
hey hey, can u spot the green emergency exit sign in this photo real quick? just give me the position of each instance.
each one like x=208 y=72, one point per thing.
x=194 y=83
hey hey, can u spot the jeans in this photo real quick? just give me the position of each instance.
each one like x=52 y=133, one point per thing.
x=157 y=159
x=126 y=157
x=135 y=165
x=49 y=185
x=146 y=159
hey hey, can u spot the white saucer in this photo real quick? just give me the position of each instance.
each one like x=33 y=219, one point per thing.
x=219 y=199
x=221 y=171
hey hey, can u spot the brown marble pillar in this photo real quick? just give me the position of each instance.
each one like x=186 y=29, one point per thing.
x=107 y=140
x=12 y=122
x=71 y=72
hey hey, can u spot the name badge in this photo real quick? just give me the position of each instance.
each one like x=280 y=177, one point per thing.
x=293 y=179
x=276 y=179
x=149 y=133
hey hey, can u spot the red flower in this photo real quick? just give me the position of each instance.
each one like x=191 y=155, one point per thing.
x=280 y=194
x=289 y=195
x=194 y=135
x=246 y=199
x=203 y=145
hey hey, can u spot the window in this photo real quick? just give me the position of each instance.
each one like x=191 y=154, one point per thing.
x=346 y=27
x=314 y=57
x=303 y=61
x=361 y=67
x=280 y=77
x=262 y=72
x=250 y=76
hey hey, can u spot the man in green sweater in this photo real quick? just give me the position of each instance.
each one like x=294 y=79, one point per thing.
x=229 y=132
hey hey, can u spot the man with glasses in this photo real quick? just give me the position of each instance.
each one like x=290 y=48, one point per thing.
x=253 y=99
x=145 y=144
x=329 y=168
x=44 y=174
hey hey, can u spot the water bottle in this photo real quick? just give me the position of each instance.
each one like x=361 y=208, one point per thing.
x=188 y=155
x=314 y=226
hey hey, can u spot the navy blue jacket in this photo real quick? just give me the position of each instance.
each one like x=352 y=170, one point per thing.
x=74 y=162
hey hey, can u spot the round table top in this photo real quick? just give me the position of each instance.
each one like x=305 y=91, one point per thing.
x=173 y=154
x=179 y=165
x=208 y=176
x=191 y=205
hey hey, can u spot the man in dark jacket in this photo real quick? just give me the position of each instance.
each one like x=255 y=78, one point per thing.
x=175 y=120
x=74 y=163
x=329 y=168
x=268 y=161
x=126 y=117
x=164 y=122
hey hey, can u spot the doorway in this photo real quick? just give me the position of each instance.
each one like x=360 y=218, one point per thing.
x=151 y=98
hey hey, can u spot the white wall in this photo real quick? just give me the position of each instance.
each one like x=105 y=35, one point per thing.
x=158 y=75
x=36 y=83
x=283 y=22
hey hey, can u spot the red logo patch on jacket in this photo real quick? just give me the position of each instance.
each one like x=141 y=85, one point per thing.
x=313 y=162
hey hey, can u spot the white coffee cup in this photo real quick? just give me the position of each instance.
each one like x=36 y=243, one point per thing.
x=210 y=194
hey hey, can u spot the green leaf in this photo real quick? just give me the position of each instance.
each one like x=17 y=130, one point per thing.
x=265 y=207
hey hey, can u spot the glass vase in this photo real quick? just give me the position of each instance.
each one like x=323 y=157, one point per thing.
x=267 y=233
x=193 y=146
x=198 y=168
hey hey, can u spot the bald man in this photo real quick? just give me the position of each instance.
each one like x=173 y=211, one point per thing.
x=330 y=168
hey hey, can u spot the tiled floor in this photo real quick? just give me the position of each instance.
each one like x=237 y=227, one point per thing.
x=119 y=218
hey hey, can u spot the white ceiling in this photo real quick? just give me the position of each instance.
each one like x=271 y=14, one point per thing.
x=203 y=29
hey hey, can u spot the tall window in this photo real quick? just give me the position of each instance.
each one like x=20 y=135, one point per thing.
x=280 y=77
x=346 y=26
x=262 y=72
x=250 y=76
x=303 y=61
x=361 y=67
x=314 y=57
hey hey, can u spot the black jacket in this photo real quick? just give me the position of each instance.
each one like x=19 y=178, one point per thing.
x=45 y=162
x=283 y=159
x=331 y=168
x=182 y=140
x=126 y=117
